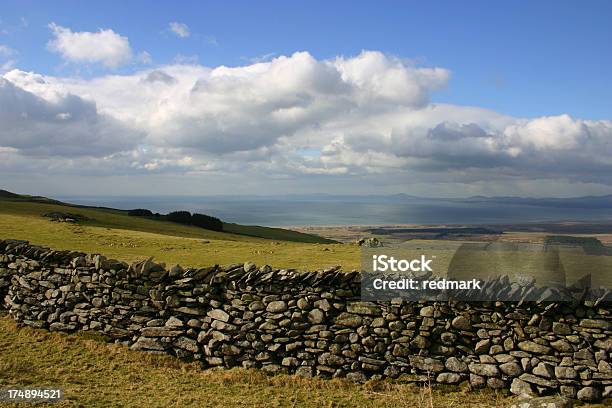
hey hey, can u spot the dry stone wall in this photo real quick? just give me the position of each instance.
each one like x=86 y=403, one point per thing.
x=310 y=323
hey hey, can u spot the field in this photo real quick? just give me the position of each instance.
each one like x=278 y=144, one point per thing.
x=97 y=374
x=119 y=236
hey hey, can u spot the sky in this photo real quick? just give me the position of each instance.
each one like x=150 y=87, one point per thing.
x=438 y=98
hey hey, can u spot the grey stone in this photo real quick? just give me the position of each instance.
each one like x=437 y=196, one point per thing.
x=589 y=394
x=147 y=343
x=485 y=370
x=219 y=314
x=426 y=364
x=278 y=306
x=520 y=387
x=544 y=370
x=566 y=373
x=186 y=343
x=532 y=347
x=349 y=320
x=456 y=365
x=542 y=382
x=448 y=378
x=363 y=308
x=482 y=347
x=511 y=369
x=173 y=322
x=461 y=323
x=316 y=316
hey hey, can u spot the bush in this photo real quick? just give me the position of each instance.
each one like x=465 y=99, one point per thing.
x=182 y=217
x=198 y=220
x=140 y=212
x=206 y=221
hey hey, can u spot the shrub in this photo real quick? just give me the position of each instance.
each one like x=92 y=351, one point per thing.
x=140 y=212
x=182 y=217
x=206 y=221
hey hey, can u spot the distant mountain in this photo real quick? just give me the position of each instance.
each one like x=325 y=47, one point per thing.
x=586 y=202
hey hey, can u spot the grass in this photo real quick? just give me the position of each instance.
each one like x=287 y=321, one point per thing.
x=114 y=218
x=119 y=236
x=95 y=374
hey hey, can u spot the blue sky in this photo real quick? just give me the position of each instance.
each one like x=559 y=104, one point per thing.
x=523 y=58
x=442 y=98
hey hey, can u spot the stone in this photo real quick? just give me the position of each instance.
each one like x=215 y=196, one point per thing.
x=544 y=370
x=589 y=394
x=349 y=320
x=363 y=308
x=230 y=350
x=426 y=364
x=186 y=343
x=461 y=323
x=303 y=304
x=595 y=324
x=330 y=359
x=562 y=346
x=477 y=381
x=542 y=382
x=57 y=326
x=277 y=306
x=456 y=365
x=448 y=378
x=511 y=369
x=482 y=347
x=148 y=343
x=568 y=391
x=219 y=314
x=316 y=316
x=257 y=306
x=160 y=332
x=357 y=377
x=484 y=370
x=173 y=322
x=290 y=362
x=565 y=373
x=427 y=311
x=495 y=383
x=520 y=387
x=304 y=371
x=532 y=347
x=551 y=401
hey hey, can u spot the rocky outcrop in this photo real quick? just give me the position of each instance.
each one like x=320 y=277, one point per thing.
x=311 y=323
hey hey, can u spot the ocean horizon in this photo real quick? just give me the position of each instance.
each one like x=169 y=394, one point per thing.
x=321 y=210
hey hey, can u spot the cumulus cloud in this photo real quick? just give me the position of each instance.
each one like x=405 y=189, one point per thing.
x=179 y=29
x=64 y=125
x=104 y=46
x=344 y=119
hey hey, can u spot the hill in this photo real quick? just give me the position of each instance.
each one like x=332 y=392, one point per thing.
x=110 y=214
x=115 y=234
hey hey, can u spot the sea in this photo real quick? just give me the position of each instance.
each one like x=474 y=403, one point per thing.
x=321 y=210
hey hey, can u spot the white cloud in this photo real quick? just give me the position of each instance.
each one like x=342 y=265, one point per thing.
x=104 y=46
x=345 y=120
x=179 y=29
x=58 y=124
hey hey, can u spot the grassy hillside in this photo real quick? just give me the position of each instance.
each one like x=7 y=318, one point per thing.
x=95 y=374
x=113 y=218
x=116 y=235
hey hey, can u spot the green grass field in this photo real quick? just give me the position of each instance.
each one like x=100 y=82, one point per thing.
x=117 y=235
